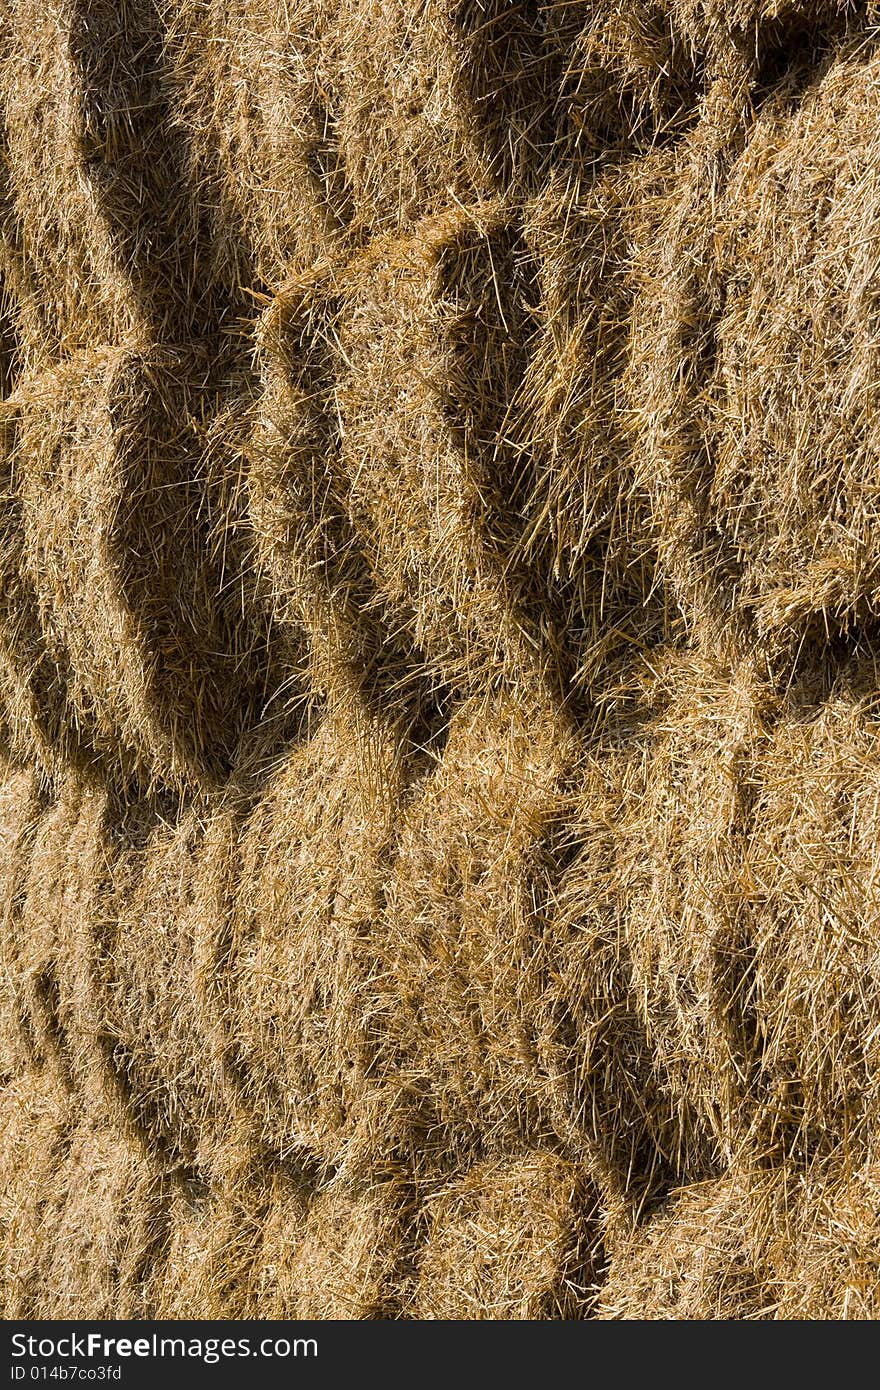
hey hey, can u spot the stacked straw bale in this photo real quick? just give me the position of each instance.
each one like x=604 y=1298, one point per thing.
x=512 y=1240
x=255 y=109
x=439 y=638
x=754 y=363
x=463 y=934
x=112 y=465
x=300 y=1010
x=431 y=329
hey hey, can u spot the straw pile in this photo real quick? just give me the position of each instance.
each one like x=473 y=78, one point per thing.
x=439 y=640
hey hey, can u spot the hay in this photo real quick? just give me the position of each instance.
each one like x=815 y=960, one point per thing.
x=102 y=1225
x=70 y=267
x=615 y=1089
x=344 y=1262
x=459 y=110
x=681 y=885
x=224 y=1239
x=696 y=1259
x=66 y=933
x=745 y=890
x=118 y=936
x=438 y=672
x=813 y=906
x=33 y=1119
x=749 y=358
x=512 y=1239
x=432 y=330
x=300 y=1009
x=83 y=1215
x=19 y=817
x=297 y=492
x=825 y=1242
x=255 y=109
x=796 y=455
x=117 y=241
x=776 y=34
x=587 y=540
x=464 y=938
x=36 y=716
x=264 y=1243
x=157 y=1022
x=756 y=1245
x=50 y=879
x=168 y=667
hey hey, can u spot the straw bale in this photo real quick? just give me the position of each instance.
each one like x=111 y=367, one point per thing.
x=778 y=34
x=263 y=1243
x=824 y=1242
x=168 y=667
x=745 y=878
x=629 y=82
x=20 y=809
x=318 y=583
x=812 y=993
x=613 y=1087
x=323 y=591
x=682 y=885
x=588 y=535
x=697 y=1258
x=256 y=109
x=776 y=1243
x=433 y=328
x=67 y=936
x=122 y=931
x=299 y=1008
x=297 y=492
x=20 y=312
x=484 y=97
x=116 y=239
x=44 y=923
x=666 y=391
x=34 y=1116
x=515 y=1238
x=39 y=723
x=797 y=443
x=342 y=1261
x=73 y=270
x=103 y=1224
x=163 y=905
x=442 y=102
x=465 y=941
x=752 y=360
x=231 y=1241
x=10 y=342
